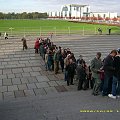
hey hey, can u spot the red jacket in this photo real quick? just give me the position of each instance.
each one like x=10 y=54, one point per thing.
x=37 y=44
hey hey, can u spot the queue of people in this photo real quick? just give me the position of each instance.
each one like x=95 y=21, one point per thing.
x=103 y=76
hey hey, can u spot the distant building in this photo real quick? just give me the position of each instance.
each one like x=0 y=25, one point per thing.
x=76 y=11
x=103 y=15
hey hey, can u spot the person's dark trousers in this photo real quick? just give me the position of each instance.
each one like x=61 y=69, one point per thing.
x=107 y=87
x=62 y=65
x=80 y=84
x=24 y=47
x=114 y=86
x=49 y=65
x=6 y=38
x=86 y=84
x=92 y=81
x=70 y=79
x=36 y=50
x=65 y=75
x=118 y=87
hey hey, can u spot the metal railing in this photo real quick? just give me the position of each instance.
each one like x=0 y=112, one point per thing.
x=48 y=31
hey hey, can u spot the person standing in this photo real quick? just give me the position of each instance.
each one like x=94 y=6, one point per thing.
x=56 y=61
x=95 y=66
x=109 y=30
x=109 y=70
x=116 y=77
x=71 y=71
x=37 y=45
x=81 y=74
x=6 y=36
x=24 y=43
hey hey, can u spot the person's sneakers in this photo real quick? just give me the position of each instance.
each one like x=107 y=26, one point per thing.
x=111 y=96
x=118 y=96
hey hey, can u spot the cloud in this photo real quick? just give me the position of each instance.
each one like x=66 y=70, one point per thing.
x=55 y=5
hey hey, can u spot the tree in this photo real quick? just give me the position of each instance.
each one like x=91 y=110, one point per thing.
x=24 y=15
x=1 y=15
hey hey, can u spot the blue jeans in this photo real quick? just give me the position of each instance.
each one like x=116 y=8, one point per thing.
x=65 y=75
x=107 y=87
x=114 y=85
x=118 y=87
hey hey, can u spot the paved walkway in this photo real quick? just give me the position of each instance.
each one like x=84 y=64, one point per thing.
x=28 y=91
x=22 y=73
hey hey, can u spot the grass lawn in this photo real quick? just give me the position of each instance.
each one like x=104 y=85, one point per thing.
x=55 y=26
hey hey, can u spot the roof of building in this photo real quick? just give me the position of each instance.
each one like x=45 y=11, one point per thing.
x=78 y=5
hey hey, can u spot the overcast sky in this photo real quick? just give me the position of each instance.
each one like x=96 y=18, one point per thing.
x=55 y=5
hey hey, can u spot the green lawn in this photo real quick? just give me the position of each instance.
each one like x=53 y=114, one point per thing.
x=55 y=26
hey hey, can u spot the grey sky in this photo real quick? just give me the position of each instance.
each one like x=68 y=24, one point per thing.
x=55 y=5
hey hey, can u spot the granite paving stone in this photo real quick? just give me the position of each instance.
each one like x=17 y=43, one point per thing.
x=36 y=69
x=19 y=94
x=13 y=62
x=16 y=81
x=43 y=73
x=24 y=80
x=60 y=76
x=17 y=70
x=52 y=77
x=43 y=68
x=18 y=75
x=52 y=83
x=50 y=72
x=8 y=95
x=61 y=82
x=40 y=91
x=22 y=87
x=0 y=72
x=28 y=69
x=42 y=78
x=3 y=89
x=7 y=82
x=11 y=75
x=4 y=63
x=7 y=71
x=20 y=65
x=29 y=93
x=0 y=82
x=3 y=76
x=31 y=86
x=50 y=90
x=26 y=74
x=1 y=96
x=61 y=88
x=32 y=79
x=10 y=66
x=23 y=62
x=42 y=85
x=12 y=88
x=6 y=60
x=35 y=73
x=2 y=67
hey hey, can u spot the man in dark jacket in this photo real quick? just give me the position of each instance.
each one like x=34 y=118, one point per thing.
x=116 y=77
x=71 y=71
x=109 y=72
x=81 y=75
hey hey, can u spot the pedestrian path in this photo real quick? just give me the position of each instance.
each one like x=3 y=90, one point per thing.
x=29 y=92
x=23 y=74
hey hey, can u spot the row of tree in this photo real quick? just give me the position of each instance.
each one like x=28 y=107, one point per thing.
x=24 y=15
